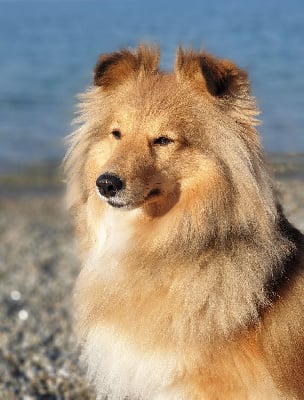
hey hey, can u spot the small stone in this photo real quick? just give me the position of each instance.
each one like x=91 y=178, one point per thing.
x=63 y=372
x=23 y=315
x=15 y=295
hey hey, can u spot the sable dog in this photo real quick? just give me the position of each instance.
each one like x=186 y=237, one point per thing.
x=192 y=279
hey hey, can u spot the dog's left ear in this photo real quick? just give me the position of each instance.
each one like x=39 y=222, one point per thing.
x=219 y=78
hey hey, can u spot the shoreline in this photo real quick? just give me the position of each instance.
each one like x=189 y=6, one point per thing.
x=41 y=176
x=49 y=175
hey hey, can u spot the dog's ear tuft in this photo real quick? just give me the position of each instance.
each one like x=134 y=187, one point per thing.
x=220 y=78
x=113 y=69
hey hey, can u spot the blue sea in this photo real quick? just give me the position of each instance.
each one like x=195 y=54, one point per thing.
x=48 y=49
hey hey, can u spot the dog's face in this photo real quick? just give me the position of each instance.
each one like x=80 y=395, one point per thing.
x=153 y=140
x=144 y=153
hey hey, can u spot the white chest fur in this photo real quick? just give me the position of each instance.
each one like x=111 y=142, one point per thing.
x=115 y=365
x=118 y=369
x=113 y=235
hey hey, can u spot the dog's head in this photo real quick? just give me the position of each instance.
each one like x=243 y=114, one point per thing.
x=151 y=139
x=151 y=134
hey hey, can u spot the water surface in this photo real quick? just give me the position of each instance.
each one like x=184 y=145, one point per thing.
x=48 y=49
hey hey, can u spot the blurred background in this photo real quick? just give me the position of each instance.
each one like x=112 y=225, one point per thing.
x=48 y=49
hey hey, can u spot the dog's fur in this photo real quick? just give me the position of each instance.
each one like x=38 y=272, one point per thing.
x=192 y=280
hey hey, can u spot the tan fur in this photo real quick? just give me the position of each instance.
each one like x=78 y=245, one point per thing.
x=196 y=292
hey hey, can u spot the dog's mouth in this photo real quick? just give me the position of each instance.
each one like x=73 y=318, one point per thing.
x=121 y=203
x=116 y=204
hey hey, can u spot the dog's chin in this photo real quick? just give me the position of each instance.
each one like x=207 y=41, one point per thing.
x=152 y=196
x=121 y=204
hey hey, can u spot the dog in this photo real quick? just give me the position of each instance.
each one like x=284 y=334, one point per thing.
x=192 y=284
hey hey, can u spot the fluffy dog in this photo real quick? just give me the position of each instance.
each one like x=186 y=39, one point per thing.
x=192 y=279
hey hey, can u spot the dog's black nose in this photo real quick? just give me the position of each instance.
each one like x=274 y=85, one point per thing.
x=109 y=185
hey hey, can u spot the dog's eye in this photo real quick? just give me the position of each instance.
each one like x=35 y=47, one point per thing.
x=162 y=141
x=116 y=133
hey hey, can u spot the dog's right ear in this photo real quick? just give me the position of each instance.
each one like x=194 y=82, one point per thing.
x=113 y=69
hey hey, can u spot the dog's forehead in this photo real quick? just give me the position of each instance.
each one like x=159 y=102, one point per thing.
x=133 y=119
x=161 y=90
x=157 y=100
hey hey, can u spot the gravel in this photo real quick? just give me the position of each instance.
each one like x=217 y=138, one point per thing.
x=38 y=267
x=38 y=354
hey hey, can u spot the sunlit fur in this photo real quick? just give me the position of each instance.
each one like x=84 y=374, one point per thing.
x=195 y=292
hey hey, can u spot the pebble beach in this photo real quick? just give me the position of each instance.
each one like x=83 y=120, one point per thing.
x=38 y=267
